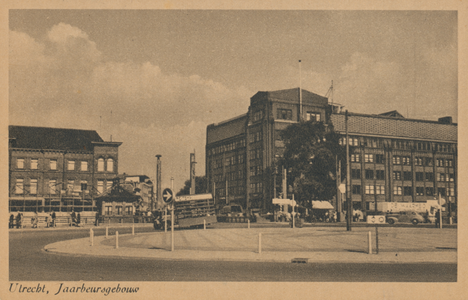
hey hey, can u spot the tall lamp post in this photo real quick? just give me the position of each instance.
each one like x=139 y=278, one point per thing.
x=158 y=180
x=349 y=210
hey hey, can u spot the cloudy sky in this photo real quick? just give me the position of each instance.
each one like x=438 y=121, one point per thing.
x=154 y=79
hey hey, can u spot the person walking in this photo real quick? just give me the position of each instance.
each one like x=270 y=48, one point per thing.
x=35 y=220
x=78 y=220
x=437 y=219
x=54 y=216
x=19 y=220
x=12 y=221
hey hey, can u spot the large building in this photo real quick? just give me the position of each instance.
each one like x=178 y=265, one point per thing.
x=392 y=158
x=55 y=169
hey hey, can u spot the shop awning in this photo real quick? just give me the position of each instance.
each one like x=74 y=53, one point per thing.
x=316 y=204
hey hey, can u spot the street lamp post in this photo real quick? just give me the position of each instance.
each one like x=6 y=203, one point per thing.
x=158 y=180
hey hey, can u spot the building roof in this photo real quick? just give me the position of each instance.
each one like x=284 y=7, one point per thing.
x=227 y=129
x=385 y=126
x=52 y=138
x=292 y=95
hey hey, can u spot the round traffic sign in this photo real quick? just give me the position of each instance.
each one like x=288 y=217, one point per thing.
x=167 y=195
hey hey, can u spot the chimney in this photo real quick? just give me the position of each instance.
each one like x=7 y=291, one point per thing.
x=445 y=120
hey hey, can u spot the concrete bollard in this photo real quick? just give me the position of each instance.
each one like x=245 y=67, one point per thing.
x=260 y=243
x=369 y=242
x=91 y=236
x=107 y=232
x=248 y=224
x=116 y=240
x=204 y=224
x=133 y=229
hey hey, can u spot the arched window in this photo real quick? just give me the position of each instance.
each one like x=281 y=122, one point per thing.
x=110 y=165
x=100 y=165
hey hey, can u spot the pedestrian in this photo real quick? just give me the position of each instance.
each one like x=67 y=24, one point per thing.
x=437 y=218
x=53 y=219
x=78 y=219
x=335 y=217
x=34 y=220
x=96 y=220
x=12 y=220
x=73 y=218
x=19 y=219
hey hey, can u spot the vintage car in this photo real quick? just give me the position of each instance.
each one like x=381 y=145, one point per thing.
x=405 y=217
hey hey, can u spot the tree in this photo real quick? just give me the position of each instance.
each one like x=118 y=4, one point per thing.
x=200 y=186
x=310 y=158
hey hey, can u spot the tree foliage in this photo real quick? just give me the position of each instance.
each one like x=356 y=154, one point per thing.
x=200 y=186
x=311 y=150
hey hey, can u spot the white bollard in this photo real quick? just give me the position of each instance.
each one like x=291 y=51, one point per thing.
x=107 y=232
x=248 y=223
x=91 y=236
x=260 y=243
x=133 y=229
x=204 y=224
x=369 y=242
x=116 y=240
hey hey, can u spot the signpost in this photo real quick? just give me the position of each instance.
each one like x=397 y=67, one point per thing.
x=168 y=198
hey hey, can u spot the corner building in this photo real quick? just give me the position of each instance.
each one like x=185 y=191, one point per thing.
x=56 y=169
x=392 y=158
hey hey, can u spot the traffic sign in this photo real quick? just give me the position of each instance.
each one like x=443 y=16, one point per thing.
x=168 y=195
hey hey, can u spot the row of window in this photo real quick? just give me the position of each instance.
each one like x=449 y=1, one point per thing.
x=256 y=170
x=398 y=144
x=54 y=187
x=256 y=187
x=397 y=175
x=401 y=160
x=229 y=176
x=71 y=164
x=227 y=147
x=405 y=191
x=256 y=154
x=255 y=137
x=119 y=210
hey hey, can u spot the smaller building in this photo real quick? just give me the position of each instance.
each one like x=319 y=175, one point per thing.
x=140 y=185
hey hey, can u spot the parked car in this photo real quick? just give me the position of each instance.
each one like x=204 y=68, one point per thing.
x=405 y=216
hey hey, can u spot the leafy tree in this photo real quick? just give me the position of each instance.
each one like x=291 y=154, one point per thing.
x=200 y=186
x=310 y=157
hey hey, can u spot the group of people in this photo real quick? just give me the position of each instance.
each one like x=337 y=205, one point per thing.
x=50 y=220
x=19 y=221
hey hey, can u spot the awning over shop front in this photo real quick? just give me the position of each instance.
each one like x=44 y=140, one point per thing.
x=316 y=204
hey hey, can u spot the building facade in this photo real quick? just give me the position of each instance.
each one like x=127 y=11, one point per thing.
x=392 y=158
x=56 y=169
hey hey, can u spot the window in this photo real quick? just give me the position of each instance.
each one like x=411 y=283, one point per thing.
x=448 y=163
x=418 y=161
x=119 y=210
x=129 y=210
x=396 y=175
x=451 y=177
x=441 y=191
x=53 y=164
x=284 y=114
x=19 y=187
x=70 y=185
x=439 y=162
x=109 y=185
x=369 y=174
x=20 y=163
x=408 y=191
x=406 y=160
x=100 y=165
x=71 y=165
x=258 y=115
x=110 y=165
x=33 y=187
x=84 y=185
x=419 y=176
x=428 y=161
x=379 y=158
x=407 y=176
x=440 y=176
x=430 y=176
x=356 y=173
x=397 y=190
x=34 y=163
x=429 y=191
x=355 y=157
x=313 y=116
x=52 y=186
x=370 y=189
x=356 y=189
x=396 y=160
x=419 y=191
x=380 y=189
x=84 y=166
x=380 y=174
x=369 y=158
x=100 y=186
x=108 y=210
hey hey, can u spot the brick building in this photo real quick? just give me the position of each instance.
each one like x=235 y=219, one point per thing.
x=56 y=169
x=392 y=158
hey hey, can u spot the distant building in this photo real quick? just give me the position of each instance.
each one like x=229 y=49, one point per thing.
x=56 y=169
x=142 y=186
x=392 y=158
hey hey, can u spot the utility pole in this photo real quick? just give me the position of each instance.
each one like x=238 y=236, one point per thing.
x=349 y=209
x=192 y=173
x=158 y=180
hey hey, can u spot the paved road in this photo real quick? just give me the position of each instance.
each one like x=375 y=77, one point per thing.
x=28 y=262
